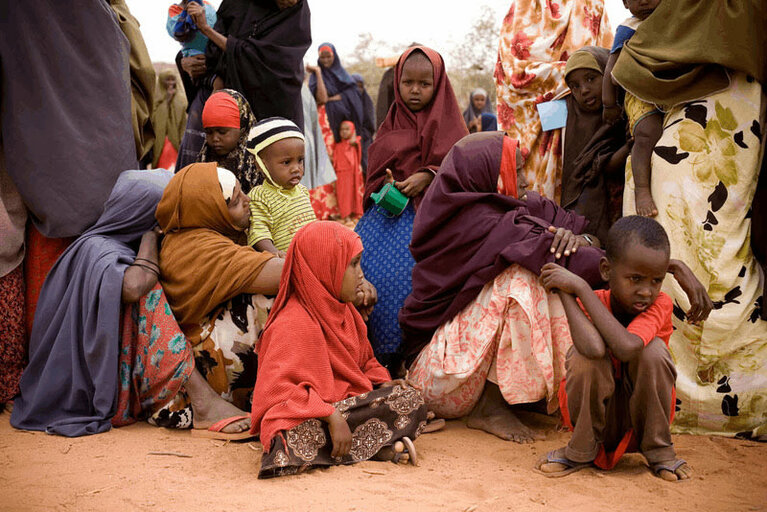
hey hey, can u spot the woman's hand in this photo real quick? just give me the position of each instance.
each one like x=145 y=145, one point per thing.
x=700 y=302
x=339 y=434
x=556 y=277
x=566 y=242
x=392 y=383
x=366 y=299
x=312 y=69
x=194 y=66
x=415 y=184
x=197 y=13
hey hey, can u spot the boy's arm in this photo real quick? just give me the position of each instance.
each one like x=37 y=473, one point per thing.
x=267 y=245
x=586 y=337
x=624 y=345
x=612 y=111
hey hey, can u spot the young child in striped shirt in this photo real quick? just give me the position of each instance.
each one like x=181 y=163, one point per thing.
x=280 y=206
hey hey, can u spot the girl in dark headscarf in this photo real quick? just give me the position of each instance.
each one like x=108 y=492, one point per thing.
x=368 y=128
x=422 y=125
x=479 y=103
x=344 y=100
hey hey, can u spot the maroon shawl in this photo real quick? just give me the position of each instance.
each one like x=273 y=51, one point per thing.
x=407 y=141
x=466 y=233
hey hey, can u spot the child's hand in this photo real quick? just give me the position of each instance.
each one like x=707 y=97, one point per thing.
x=611 y=114
x=340 y=434
x=197 y=13
x=389 y=177
x=366 y=299
x=555 y=277
x=415 y=184
x=282 y=254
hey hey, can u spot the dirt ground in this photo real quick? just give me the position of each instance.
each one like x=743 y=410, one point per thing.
x=141 y=467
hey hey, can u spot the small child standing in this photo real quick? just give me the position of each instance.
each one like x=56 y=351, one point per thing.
x=182 y=28
x=347 y=161
x=619 y=389
x=645 y=119
x=280 y=206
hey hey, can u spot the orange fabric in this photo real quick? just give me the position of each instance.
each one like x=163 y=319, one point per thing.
x=204 y=260
x=314 y=350
x=221 y=110
x=507 y=178
x=347 y=162
x=325 y=48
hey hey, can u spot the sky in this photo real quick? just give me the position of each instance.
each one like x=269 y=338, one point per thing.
x=439 y=24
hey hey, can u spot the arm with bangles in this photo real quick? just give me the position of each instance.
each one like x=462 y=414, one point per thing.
x=144 y=272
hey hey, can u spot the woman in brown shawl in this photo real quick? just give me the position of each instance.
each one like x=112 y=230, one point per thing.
x=168 y=119
x=216 y=287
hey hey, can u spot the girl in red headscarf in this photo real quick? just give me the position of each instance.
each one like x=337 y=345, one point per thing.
x=422 y=125
x=321 y=397
x=347 y=161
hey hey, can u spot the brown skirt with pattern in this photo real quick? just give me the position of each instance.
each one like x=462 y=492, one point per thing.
x=377 y=419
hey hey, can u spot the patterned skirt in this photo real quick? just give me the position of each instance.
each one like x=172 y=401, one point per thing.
x=376 y=419
x=226 y=357
x=388 y=265
x=12 y=333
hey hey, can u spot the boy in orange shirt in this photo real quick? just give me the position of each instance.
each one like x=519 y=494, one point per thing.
x=619 y=390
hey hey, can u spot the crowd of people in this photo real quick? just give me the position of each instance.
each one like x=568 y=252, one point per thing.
x=337 y=279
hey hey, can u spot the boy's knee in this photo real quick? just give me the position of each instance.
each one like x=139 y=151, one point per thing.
x=656 y=357
x=578 y=365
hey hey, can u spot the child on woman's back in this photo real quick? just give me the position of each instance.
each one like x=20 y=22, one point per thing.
x=182 y=28
x=619 y=385
x=280 y=206
x=645 y=119
x=347 y=161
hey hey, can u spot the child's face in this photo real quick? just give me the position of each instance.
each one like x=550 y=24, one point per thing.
x=521 y=178
x=586 y=86
x=416 y=85
x=285 y=161
x=635 y=279
x=326 y=58
x=346 y=131
x=641 y=8
x=222 y=140
x=351 y=285
x=239 y=208
x=478 y=101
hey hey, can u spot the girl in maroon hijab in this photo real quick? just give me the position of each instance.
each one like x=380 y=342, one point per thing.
x=422 y=125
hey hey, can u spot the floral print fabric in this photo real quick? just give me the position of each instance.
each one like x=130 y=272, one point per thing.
x=537 y=37
x=704 y=173
x=12 y=333
x=513 y=326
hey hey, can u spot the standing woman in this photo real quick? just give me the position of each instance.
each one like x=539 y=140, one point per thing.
x=168 y=120
x=527 y=74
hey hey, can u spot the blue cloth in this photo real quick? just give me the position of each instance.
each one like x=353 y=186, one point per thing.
x=70 y=385
x=622 y=34
x=489 y=122
x=183 y=29
x=338 y=81
x=388 y=265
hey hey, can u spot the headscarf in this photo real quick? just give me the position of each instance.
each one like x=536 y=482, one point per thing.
x=168 y=115
x=409 y=142
x=221 y=110
x=489 y=122
x=471 y=112
x=314 y=350
x=203 y=260
x=265 y=47
x=466 y=233
x=338 y=81
x=589 y=146
x=70 y=385
x=239 y=160
x=264 y=134
x=368 y=128
x=683 y=50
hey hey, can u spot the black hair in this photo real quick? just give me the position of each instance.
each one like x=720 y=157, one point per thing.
x=642 y=230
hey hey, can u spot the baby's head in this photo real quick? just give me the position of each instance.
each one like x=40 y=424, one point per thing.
x=583 y=76
x=278 y=146
x=222 y=123
x=641 y=8
x=346 y=131
x=416 y=82
x=636 y=263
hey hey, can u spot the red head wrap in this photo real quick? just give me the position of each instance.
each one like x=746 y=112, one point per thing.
x=325 y=47
x=222 y=110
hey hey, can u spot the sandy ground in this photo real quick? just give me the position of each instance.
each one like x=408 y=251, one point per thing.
x=460 y=470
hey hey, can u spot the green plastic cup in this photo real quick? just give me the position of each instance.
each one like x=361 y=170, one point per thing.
x=390 y=199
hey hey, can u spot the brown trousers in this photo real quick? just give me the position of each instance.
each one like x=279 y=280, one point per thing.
x=603 y=408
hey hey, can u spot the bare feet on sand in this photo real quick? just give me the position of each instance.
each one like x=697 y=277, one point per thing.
x=209 y=408
x=493 y=415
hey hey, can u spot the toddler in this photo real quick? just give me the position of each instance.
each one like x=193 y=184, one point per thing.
x=182 y=28
x=280 y=206
x=347 y=161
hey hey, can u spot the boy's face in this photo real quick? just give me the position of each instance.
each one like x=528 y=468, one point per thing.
x=416 y=85
x=641 y=8
x=239 y=208
x=222 y=140
x=586 y=86
x=635 y=278
x=346 y=131
x=285 y=161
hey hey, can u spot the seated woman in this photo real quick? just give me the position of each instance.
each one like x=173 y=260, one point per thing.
x=321 y=397
x=481 y=328
x=101 y=309
x=216 y=287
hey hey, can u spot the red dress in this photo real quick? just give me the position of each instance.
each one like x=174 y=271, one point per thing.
x=347 y=161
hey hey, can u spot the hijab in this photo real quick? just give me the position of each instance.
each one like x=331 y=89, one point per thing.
x=70 y=385
x=314 y=349
x=409 y=142
x=239 y=160
x=168 y=115
x=471 y=111
x=204 y=260
x=466 y=233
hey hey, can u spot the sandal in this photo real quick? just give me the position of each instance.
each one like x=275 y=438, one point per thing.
x=433 y=426
x=558 y=456
x=409 y=450
x=214 y=431
x=671 y=467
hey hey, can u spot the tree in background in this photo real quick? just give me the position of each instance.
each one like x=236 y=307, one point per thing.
x=473 y=60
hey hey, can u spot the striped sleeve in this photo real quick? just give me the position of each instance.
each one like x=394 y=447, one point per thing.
x=261 y=221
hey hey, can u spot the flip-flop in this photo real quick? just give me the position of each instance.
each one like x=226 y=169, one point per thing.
x=214 y=431
x=672 y=467
x=552 y=457
x=409 y=450
x=433 y=426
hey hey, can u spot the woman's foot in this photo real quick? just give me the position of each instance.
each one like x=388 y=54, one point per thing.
x=208 y=408
x=492 y=414
x=672 y=470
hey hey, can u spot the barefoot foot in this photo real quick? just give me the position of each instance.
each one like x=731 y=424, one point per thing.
x=493 y=415
x=645 y=206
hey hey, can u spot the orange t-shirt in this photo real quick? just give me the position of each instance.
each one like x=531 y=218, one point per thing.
x=654 y=322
